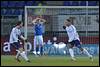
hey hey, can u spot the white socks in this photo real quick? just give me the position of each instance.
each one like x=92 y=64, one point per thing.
x=34 y=52
x=24 y=55
x=71 y=52
x=39 y=49
x=86 y=52
x=18 y=53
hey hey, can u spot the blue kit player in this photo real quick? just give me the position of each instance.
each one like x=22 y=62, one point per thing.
x=38 y=34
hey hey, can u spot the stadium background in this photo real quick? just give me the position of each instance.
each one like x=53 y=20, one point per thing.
x=12 y=11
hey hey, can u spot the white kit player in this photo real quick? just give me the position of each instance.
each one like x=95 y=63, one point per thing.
x=74 y=39
x=38 y=34
x=15 y=36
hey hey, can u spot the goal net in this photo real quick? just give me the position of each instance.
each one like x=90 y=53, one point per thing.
x=83 y=17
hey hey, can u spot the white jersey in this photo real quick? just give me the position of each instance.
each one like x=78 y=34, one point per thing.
x=72 y=33
x=14 y=35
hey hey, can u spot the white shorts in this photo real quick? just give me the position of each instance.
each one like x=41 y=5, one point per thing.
x=38 y=40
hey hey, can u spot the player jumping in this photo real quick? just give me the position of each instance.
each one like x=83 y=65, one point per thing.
x=38 y=38
x=15 y=36
x=74 y=39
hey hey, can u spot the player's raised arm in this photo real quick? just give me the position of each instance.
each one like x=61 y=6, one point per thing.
x=43 y=20
x=35 y=20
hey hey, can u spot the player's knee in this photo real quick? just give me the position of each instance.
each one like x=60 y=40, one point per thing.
x=80 y=48
x=21 y=49
x=70 y=46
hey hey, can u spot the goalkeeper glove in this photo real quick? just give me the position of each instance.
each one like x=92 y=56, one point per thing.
x=64 y=27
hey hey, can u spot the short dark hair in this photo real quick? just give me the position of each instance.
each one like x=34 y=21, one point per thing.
x=68 y=20
x=18 y=23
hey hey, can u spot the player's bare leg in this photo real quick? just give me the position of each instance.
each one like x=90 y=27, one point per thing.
x=71 y=52
x=22 y=53
x=17 y=55
x=87 y=53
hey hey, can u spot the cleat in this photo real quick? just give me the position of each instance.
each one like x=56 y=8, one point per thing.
x=91 y=58
x=34 y=52
x=28 y=61
x=38 y=53
x=18 y=60
x=73 y=59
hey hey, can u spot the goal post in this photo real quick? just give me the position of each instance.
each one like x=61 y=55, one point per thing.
x=56 y=15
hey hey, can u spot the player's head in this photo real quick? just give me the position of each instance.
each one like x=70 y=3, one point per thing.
x=72 y=19
x=68 y=22
x=40 y=16
x=39 y=19
x=19 y=24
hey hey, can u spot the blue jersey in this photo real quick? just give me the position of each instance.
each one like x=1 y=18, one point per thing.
x=39 y=29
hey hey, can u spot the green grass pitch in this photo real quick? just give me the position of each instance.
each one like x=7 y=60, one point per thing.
x=8 y=60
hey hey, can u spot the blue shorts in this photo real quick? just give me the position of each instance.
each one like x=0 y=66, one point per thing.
x=16 y=45
x=76 y=43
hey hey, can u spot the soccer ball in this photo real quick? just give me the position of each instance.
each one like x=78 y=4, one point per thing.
x=64 y=52
x=54 y=38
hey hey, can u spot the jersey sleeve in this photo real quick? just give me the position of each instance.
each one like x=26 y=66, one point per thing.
x=66 y=27
x=72 y=36
x=19 y=32
x=75 y=34
x=14 y=34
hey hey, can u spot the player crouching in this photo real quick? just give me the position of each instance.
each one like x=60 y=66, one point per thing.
x=15 y=36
